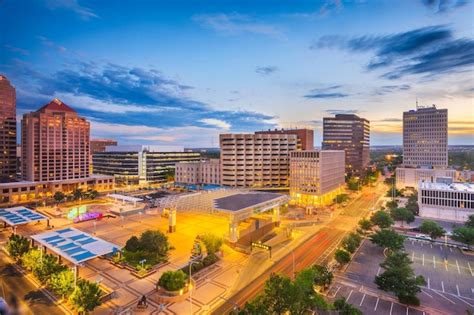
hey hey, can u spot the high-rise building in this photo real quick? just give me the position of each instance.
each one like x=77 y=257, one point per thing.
x=316 y=177
x=99 y=145
x=305 y=137
x=8 y=160
x=256 y=160
x=425 y=137
x=141 y=164
x=55 y=144
x=349 y=133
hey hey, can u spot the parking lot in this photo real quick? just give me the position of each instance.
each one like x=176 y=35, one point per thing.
x=448 y=273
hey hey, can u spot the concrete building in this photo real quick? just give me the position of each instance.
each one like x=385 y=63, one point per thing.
x=55 y=144
x=351 y=134
x=305 y=137
x=8 y=162
x=27 y=191
x=133 y=165
x=99 y=145
x=316 y=177
x=425 y=147
x=198 y=173
x=446 y=200
x=256 y=160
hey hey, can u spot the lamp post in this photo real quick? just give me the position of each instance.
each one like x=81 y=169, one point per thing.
x=190 y=286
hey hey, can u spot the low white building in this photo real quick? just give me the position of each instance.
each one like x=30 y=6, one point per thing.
x=410 y=177
x=446 y=200
x=198 y=172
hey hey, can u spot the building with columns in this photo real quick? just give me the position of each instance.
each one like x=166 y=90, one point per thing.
x=206 y=172
x=8 y=160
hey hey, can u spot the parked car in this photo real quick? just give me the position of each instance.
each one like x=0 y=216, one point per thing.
x=423 y=236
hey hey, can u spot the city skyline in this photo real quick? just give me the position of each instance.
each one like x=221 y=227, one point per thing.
x=182 y=73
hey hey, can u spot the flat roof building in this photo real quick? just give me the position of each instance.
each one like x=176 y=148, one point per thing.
x=316 y=177
x=351 y=134
x=99 y=145
x=199 y=172
x=305 y=137
x=8 y=162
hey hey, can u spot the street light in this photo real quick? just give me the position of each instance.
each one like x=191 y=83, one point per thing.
x=190 y=285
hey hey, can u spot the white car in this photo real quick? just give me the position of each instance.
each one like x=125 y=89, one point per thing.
x=423 y=236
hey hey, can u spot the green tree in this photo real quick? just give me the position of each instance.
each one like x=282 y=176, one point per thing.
x=353 y=184
x=412 y=204
x=17 y=245
x=392 y=204
x=432 y=229
x=400 y=279
x=365 y=224
x=388 y=238
x=173 y=280
x=132 y=244
x=59 y=197
x=154 y=241
x=86 y=296
x=341 y=198
x=470 y=221
x=465 y=235
x=212 y=242
x=351 y=242
x=257 y=306
x=303 y=296
x=345 y=308
x=31 y=258
x=77 y=194
x=62 y=283
x=46 y=267
x=322 y=276
x=402 y=215
x=342 y=257
x=382 y=219
x=279 y=294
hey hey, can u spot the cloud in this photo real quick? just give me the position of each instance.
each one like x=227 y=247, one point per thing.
x=266 y=70
x=49 y=43
x=326 y=93
x=216 y=123
x=72 y=5
x=389 y=120
x=430 y=50
x=20 y=51
x=327 y=7
x=234 y=23
x=443 y=6
x=386 y=89
x=342 y=111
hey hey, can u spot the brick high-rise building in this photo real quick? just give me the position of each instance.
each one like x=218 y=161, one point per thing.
x=99 y=145
x=55 y=144
x=7 y=130
x=351 y=134
x=305 y=137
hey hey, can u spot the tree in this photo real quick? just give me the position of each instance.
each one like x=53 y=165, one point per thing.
x=212 y=242
x=31 y=258
x=345 y=308
x=365 y=224
x=86 y=296
x=399 y=278
x=402 y=215
x=132 y=244
x=341 y=198
x=322 y=276
x=46 y=267
x=173 y=280
x=351 y=242
x=432 y=229
x=77 y=194
x=353 y=184
x=17 y=245
x=62 y=283
x=257 y=306
x=382 y=219
x=412 y=204
x=465 y=235
x=154 y=241
x=303 y=296
x=342 y=257
x=279 y=294
x=388 y=238
x=470 y=221
x=392 y=204
x=59 y=196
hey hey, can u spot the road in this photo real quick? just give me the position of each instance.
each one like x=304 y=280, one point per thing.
x=309 y=252
x=31 y=300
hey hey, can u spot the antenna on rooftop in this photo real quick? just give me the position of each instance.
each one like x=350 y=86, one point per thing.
x=417 y=103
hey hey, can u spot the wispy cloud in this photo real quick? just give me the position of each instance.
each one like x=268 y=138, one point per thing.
x=342 y=111
x=386 y=89
x=266 y=70
x=431 y=50
x=216 y=123
x=49 y=43
x=234 y=23
x=443 y=6
x=326 y=93
x=73 y=5
x=18 y=50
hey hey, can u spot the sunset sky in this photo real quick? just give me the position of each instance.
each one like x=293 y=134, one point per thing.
x=181 y=72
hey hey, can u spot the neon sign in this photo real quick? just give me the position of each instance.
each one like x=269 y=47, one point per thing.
x=88 y=216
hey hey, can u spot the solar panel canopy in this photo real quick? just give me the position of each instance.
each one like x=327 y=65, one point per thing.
x=20 y=215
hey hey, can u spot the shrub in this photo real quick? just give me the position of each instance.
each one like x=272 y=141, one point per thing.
x=173 y=280
x=212 y=242
x=17 y=245
x=47 y=267
x=62 y=283
x=86 y=296
x=31 y=258
x=342 y=257
x=209 y=260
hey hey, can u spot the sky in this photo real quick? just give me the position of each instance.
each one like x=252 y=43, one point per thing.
x=182 y=72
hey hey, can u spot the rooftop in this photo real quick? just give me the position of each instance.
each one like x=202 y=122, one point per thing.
x=56 y=105
x=20 y=215
x=244 y=200
x=465 y=187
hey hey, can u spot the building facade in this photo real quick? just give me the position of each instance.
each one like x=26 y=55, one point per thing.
x=26 y=191
x=55 y=144
x=351 y=134
x=8 y=161
x=256 y=160
x=135 y=165
x=425 y=137
x=99 y=145
x=305 y=137
x=410 y=177
x=316 y=177
x=446 y=201
x=198 y=173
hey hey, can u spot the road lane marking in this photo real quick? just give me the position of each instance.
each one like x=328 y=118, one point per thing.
x=335 y=293
x=457 y=289
x=429 y=283
x=459 y=270
x=442 y=285
x=441 y=247
x=378 y=271
x=349 y=296
x=451 y=249
x=362 y=301
x=469 y=265
x=407 y=310
x=391 y=308
x=431 y=245
x=423 y=259
x=427 y=293
x=413 y=256
x=451 y=301
x=377 y=303
x=434 y=262
x=446 y=264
